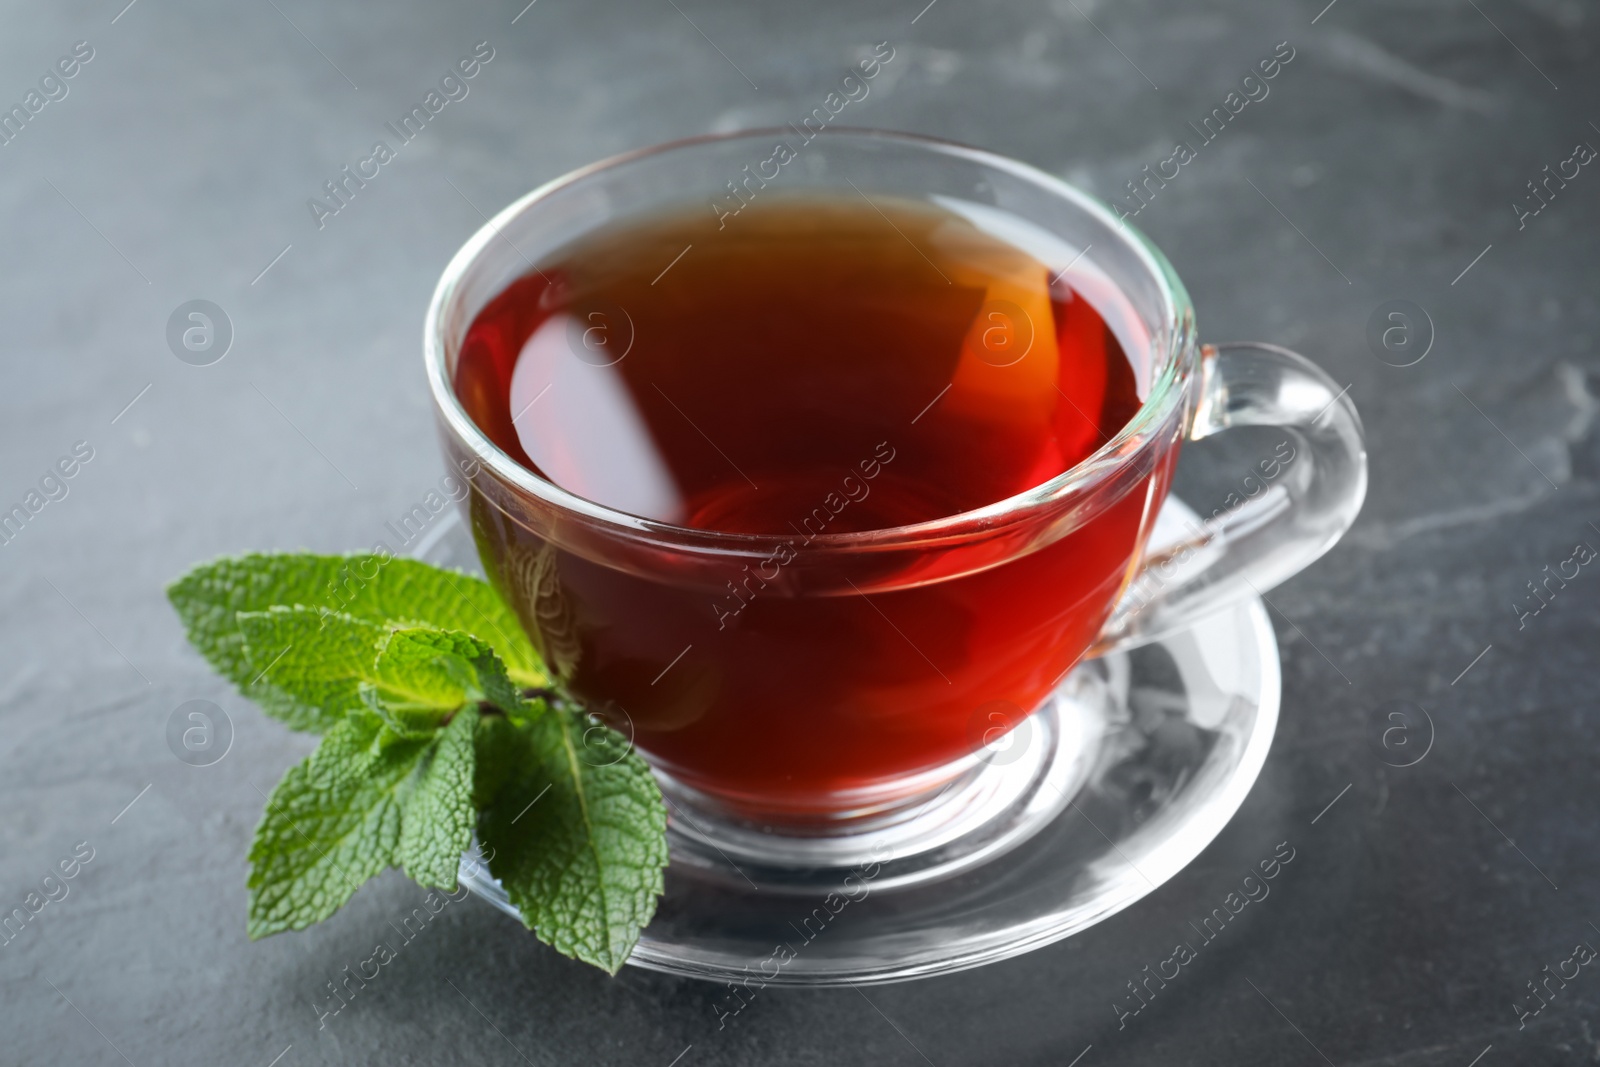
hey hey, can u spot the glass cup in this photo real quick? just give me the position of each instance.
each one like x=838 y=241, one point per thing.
x=782 y=731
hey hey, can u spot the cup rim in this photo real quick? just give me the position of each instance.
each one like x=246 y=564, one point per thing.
x=1166 y=386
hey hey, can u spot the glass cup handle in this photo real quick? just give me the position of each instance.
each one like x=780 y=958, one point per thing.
x=1290 y=508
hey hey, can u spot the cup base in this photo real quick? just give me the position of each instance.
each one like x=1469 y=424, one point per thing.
x=1180 y=728
x=971 y=812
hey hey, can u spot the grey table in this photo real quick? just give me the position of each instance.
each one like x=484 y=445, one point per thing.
x=1385 y=164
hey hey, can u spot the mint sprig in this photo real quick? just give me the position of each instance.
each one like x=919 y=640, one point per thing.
x=438 y=720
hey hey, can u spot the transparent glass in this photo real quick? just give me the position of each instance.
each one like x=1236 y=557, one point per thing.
x=1149 y=751
x=755 y=758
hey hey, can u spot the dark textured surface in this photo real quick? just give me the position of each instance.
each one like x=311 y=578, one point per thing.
x=1396 y=141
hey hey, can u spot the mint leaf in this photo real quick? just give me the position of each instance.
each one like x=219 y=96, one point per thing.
x=578 y=839
x=315 y=666
x=437 y=816
x=415 y=676
x=426 y=668
x=330 y=825
x=365 y=800
x=378 y=589
x=403 y=717
x=307 y=663
x=446 y=667
x=422 y=675
x=502 y=747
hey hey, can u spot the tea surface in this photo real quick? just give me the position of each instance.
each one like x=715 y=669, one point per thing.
x=733 y=379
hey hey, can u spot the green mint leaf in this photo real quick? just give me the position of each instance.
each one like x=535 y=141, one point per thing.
x=425 y=667
x=415 y=676
x=367 y=799
x=378 y=589
x=495 y=686
x=404 y=717
x=306 y=664
x=578 y=839
x=315 y=666
x=437 y=814
x=502 y=748
x=446 y=666
x=422 y=675
x=331 y=824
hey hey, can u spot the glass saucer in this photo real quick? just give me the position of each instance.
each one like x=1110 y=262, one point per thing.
x=1131 y=768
